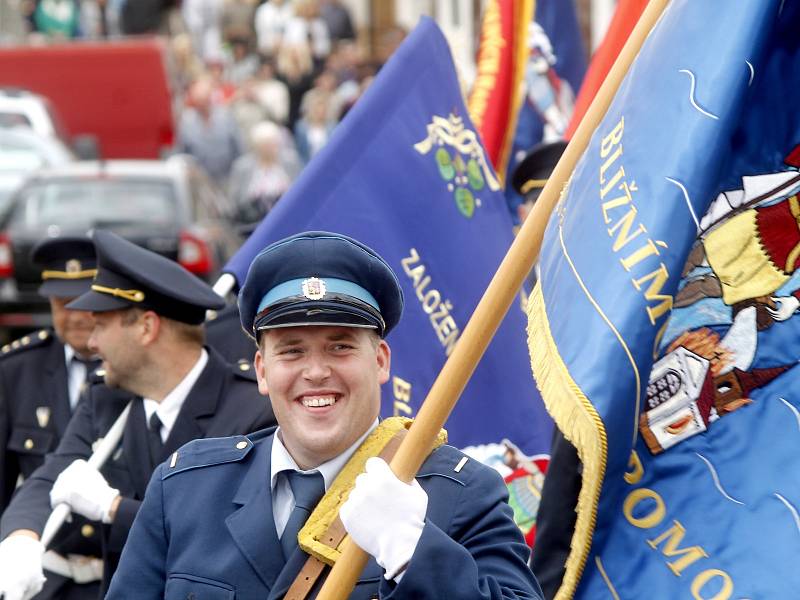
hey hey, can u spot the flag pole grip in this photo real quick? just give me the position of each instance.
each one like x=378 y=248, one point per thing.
x=494 y=304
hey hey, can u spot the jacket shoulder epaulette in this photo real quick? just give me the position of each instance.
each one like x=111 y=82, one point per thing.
x=244 y=369
x=206 y=452
x=447 y=461
x=27 y=342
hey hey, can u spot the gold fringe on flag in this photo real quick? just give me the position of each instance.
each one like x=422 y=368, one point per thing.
x=581 y=425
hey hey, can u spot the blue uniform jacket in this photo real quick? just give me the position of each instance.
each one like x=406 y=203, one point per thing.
x=205 y=530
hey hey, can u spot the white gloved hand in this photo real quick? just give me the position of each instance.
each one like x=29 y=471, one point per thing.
x=21 y=575
x=84 y=489
x=385 y=516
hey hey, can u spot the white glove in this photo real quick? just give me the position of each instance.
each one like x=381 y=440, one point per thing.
x=85 y=490
x=21 y=575
x=385 y=516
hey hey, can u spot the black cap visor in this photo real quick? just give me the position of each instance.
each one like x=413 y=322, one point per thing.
x=349 y=313
x=64 y=288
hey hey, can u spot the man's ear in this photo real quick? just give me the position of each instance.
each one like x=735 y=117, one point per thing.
x=384 y=358
x=262 y=381
x=150 y=327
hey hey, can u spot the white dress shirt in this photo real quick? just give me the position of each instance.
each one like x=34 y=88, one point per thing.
x=168 y=409
x=281 y=460
x=76 y=376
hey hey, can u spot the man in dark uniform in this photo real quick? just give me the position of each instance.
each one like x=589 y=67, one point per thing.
x=320 y=305
x=41 y=377
x=224 y=333
x=555 y=520
x=148 y=331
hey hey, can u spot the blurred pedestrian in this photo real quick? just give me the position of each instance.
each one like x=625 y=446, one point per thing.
x=237 y=22
x=271 y=92
x=306 y=26
x=202 y=20
x=148 y=313
x=313 y=131
x=270 y=22
x=59 y=19
x=188 y=66
x=139 y=17
x=296 y=70
x=326 y=85
x=259 y=178
x=209 y=132
x=41 y=379
x=242 y=63
x=337 y=19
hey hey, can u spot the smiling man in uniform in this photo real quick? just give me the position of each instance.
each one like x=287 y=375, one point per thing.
x=320 y=305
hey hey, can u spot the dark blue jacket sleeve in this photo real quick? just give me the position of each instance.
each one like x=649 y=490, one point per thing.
x=481 y=556
x=142 y=567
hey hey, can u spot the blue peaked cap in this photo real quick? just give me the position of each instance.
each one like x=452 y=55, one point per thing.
x=320 y=278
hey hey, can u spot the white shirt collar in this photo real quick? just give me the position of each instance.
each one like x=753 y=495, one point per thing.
x=281 y=460
x=76 y=376
x=168 y=409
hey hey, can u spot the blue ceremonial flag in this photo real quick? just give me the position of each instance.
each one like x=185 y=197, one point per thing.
x=405 y=174
x=664 y=330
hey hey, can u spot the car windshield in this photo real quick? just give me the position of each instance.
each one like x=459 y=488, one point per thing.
x=16 y=155
x=13 y=119
x=87 y=203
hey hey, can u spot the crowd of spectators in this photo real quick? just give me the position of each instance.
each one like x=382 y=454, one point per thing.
x=259 y=85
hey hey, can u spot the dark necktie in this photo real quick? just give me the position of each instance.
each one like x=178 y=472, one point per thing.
x=307 y=488
x=91 y=365
x=154 y=439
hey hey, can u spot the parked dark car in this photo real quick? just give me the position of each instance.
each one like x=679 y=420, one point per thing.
x=168 y=206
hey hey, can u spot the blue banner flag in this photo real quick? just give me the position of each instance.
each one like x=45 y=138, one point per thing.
x=405 y=174
x=665 y=333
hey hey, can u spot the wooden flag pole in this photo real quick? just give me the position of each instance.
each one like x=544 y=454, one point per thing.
x=497 y=299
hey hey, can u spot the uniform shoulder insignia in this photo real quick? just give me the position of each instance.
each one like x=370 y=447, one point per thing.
x=244 y=369
x=208 y=452
x=448 y=462
x=26 y=342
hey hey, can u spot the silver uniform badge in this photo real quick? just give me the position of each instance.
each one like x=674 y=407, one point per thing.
x=313 y=288
x=43 y=416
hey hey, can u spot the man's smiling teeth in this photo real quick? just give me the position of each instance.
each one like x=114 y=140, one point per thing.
x=319 y=401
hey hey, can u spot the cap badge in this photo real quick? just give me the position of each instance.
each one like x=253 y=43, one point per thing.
x=314 y=288
x=73 y=266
